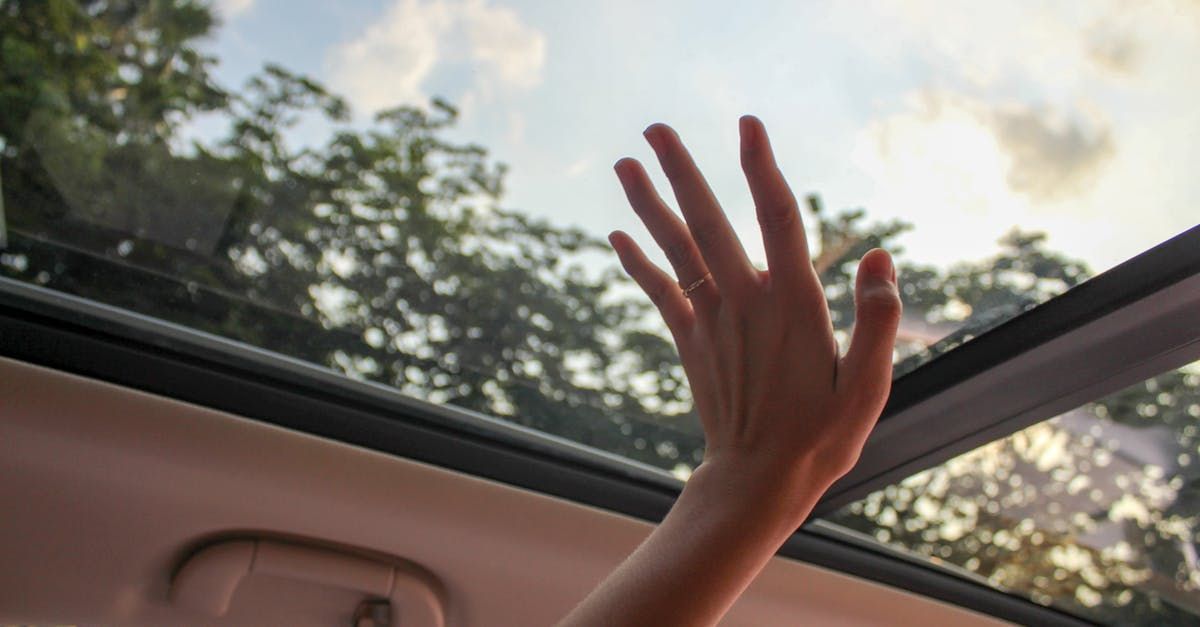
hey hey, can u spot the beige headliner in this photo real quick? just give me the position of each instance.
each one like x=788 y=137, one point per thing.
x=105 y=490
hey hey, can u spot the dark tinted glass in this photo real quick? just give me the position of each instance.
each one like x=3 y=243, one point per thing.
x=1095 y=511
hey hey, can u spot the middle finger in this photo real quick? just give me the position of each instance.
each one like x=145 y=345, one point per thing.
x=709 y=226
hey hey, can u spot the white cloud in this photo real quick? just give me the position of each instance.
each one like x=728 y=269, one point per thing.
x=578 y=167
x=977 y=43
x=392 y=61
x=965 y=170
x=230 y=9
x=1113 y=48
x=1061 y=46
x=934 y=152
x=1067 y=118
x=1050 y=155
x=501 y=43
x=936 y=164
x=387 y=64
x=981 y=151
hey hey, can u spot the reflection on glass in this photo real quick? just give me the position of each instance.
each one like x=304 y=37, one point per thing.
x=1095 y=511
x=158 y=157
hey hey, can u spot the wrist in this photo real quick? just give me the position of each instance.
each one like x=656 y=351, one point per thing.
x=752 y=489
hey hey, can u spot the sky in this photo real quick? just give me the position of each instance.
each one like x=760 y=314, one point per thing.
x=1077 y=119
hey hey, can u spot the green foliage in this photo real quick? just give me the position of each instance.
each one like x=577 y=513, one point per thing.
x=1024 y=513
x=382 y=252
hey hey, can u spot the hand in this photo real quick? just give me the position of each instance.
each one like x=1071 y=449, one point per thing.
x=778 y=405
x=784 y=415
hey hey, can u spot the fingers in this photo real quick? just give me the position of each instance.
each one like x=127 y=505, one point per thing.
x=778 y=214
x=867 y=367
x=663 y=292
x=668 y=230
x=710 y=229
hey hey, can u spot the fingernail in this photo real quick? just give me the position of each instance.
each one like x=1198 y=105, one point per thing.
x=748 y=131
x=653 y=135
x=879 y=265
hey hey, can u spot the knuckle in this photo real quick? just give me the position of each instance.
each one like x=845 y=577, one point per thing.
x=657 y=292
x=677 y=322
x=672 y=169
x=679 y=255
x=841 y=453
x=880 y=306
x=847 y=460
x=778 y=217
x=752 y=156
x=706 y=235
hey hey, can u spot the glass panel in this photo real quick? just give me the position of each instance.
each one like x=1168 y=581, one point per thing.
x=1095 y=511
x=283 y=173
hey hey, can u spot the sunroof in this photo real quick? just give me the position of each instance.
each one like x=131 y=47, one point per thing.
x=280 y=173
x=1095 y=511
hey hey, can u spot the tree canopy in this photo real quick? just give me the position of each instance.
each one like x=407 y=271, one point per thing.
x=385 y=253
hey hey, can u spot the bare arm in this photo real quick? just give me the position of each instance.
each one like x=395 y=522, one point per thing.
x=783 y=415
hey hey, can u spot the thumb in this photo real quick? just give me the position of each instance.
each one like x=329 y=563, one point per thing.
x=867 y=367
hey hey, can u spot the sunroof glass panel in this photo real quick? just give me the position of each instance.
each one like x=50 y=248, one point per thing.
x=1095 y=511
x=285 y=174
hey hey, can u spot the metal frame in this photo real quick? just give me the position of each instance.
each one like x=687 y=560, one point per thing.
x=1129 y=323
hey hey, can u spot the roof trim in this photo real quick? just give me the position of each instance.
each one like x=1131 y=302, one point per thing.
x=1124 y=326
x=1158 y=290
x=73 y=341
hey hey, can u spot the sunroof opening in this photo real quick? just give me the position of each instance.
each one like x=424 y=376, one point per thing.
x=1095 y=511
x=326 y=181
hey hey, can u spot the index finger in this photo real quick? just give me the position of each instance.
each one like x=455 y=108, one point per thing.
x=710 y=228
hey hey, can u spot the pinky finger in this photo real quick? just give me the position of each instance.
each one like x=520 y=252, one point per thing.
x=658 y=285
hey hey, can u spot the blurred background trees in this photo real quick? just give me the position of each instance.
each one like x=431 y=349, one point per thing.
x=383 y=252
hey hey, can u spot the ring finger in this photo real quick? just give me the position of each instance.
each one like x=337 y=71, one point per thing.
x=670 y=233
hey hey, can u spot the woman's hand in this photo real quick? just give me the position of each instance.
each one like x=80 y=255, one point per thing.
x=784 y=415
x=774 y=397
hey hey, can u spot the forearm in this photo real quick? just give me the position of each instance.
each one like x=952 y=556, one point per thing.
x=721 y=532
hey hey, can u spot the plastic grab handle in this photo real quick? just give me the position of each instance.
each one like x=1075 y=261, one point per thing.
x=208 y=579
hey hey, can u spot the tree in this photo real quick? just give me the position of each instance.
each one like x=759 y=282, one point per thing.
x=384 y=253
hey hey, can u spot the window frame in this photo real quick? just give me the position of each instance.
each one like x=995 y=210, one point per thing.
x=1095 y=326
x=1123 y=326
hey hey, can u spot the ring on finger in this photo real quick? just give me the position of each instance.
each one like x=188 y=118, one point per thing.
x=687 y=291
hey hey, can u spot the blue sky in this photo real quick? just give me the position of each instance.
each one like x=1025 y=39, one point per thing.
x=1073 y=118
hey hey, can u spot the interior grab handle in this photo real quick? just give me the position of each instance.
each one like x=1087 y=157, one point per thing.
x=208 y=579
